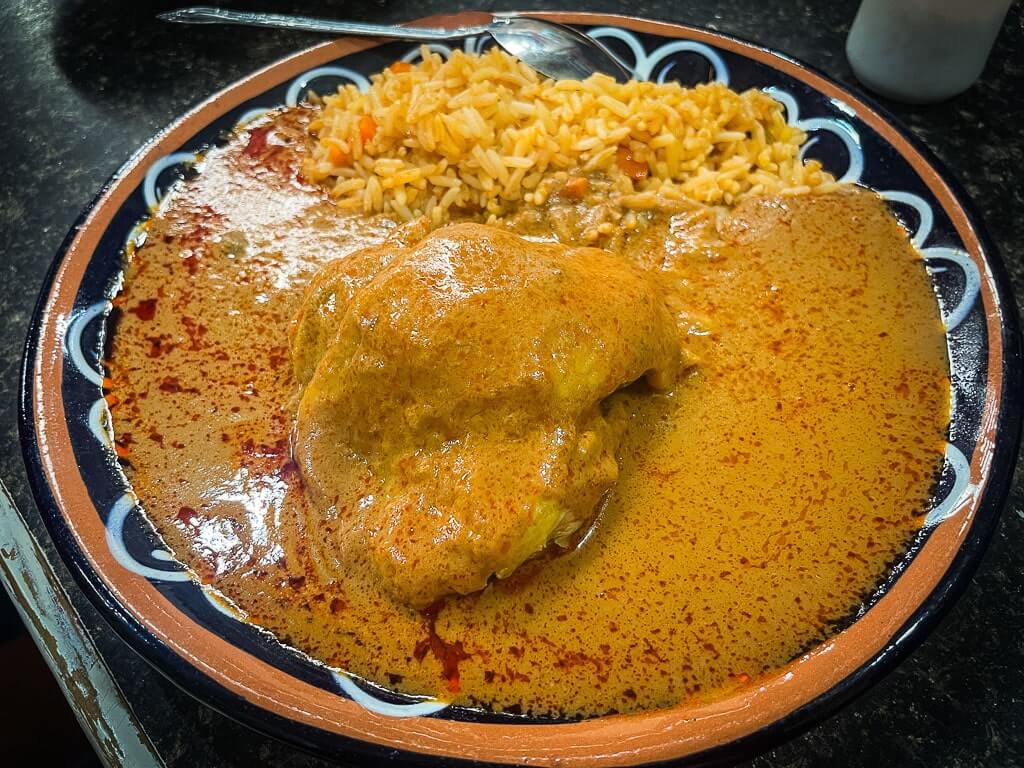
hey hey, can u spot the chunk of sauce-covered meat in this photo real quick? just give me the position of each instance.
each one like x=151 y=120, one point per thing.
x=451 y=421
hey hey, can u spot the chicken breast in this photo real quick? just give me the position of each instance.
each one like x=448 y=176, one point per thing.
x=450 y=418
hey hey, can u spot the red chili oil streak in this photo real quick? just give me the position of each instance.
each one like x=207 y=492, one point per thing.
x=449 y=654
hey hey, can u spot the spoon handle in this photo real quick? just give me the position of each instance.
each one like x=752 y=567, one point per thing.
x=208 y=15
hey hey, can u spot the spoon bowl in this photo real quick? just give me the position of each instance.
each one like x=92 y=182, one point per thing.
x=555 y=50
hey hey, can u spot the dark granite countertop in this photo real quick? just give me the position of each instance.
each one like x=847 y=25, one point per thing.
x=85 y=83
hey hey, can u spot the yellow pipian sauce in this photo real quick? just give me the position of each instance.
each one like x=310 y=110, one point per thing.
x=759 y=503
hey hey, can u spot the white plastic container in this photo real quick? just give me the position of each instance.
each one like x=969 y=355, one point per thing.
x=921 y=51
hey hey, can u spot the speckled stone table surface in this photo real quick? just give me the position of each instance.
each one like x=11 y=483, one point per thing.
x=82 y=84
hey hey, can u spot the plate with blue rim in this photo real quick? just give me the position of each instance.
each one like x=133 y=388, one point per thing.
x=169 y=618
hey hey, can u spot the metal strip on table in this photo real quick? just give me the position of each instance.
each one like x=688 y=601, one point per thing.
x=96 y=699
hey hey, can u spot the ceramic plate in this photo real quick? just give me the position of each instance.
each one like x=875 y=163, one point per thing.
x=169 y=619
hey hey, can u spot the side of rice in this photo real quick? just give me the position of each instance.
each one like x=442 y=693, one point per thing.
x=484 y=134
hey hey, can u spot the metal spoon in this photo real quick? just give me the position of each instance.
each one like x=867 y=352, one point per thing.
x=554 y=50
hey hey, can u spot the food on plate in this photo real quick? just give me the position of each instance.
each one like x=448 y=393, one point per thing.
x=450 y=421
x=485 y=133
x=634 y=430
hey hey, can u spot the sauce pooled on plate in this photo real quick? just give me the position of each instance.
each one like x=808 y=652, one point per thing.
x=757 y=503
